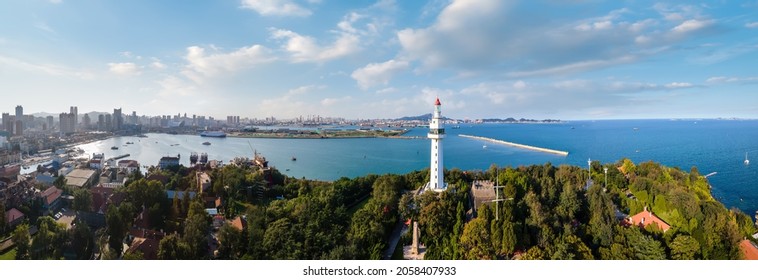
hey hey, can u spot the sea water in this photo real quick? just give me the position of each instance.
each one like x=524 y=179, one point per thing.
x=711 y=145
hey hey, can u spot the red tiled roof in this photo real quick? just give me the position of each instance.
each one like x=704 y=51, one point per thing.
x=13 y=215
x=147 y=233
x=148 y=247
x=750 y=251
x=645 y=218
x=51 y=194
x=143 y=219
x=239 y=223
x=100 y=197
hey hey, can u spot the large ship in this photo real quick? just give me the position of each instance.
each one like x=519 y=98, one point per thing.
x=213 y=134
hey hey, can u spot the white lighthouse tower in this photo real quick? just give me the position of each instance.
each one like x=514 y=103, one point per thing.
x=436 y=134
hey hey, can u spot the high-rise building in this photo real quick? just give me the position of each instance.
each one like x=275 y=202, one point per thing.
x=108 y=122
x=19 y=127
x=135 y=120
x=86 y=124
x=436 y=134
x=19 y=117
x=100 y=122
x=8 y=123
x=118 y=119
x=67 y=125
x=50 y=122
x=75 y=112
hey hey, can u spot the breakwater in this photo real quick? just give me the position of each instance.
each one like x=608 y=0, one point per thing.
x=522 y=146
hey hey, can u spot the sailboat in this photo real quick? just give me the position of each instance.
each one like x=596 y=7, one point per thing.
x=747 y=161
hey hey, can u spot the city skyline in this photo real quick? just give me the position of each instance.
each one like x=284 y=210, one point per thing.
x=382 y=59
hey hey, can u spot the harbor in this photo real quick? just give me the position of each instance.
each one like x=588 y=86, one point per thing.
x=522 y=146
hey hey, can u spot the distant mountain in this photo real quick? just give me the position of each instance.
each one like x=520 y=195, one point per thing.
x=512 y=120
x=424 y=117
x=427 y=117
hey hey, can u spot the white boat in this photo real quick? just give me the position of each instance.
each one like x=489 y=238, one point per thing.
x=747 y=161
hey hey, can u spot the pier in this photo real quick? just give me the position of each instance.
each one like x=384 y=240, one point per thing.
x=522 y=146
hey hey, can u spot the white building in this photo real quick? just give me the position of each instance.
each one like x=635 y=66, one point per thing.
x=436 y=134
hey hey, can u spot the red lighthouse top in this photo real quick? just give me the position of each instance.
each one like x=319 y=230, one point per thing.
x=437 y=103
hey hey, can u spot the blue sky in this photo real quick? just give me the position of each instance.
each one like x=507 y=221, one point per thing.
x=383 y=59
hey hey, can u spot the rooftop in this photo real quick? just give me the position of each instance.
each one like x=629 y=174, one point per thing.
x=645 y=218
x=749 y=250
x=79 y=177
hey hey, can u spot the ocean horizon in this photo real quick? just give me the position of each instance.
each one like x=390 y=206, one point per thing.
x=712 y=145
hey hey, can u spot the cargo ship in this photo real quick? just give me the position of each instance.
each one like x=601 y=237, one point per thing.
x=213 y=134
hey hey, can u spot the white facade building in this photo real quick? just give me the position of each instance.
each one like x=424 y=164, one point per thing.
x=436 y=134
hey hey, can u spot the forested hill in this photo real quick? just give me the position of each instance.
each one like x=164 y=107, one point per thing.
x=552 y=216
x=265 y=215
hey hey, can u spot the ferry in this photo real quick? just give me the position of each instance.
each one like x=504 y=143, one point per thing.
x=213 y=134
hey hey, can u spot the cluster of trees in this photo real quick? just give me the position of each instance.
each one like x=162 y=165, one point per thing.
x=551 y=213
x=53 y=241
x=555 y=214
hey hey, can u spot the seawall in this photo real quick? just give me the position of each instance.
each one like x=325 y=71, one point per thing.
x=522 y=146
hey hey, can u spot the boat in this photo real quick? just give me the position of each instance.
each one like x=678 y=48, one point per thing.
x=129 y=143
x=206 y=143
x=484 y=146
x=114 y=148
x=747 y=161
x=294 y=158
x=213 y=134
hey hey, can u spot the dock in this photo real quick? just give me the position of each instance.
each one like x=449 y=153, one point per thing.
x=522 y=146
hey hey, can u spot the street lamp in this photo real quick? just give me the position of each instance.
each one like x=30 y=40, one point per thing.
x=605 y=170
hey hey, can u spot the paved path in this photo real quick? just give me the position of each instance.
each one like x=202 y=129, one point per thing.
x=394 y=239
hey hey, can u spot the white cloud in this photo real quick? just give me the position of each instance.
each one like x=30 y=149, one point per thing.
x=47 y=68
x=580 y=66
x=519 y=84
x=44 y=27
x=375 y=74
x=678 y=85
x=480 y=38
x=172 y=86
x=692 y=25
x=332 y=101
x=306 y=49
x=157 y=64
x=752 y=24
x=723 y=80
x=200 y=64
x=305 y=89
x=276 y=8
x=124 y=68
x=386 y=90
